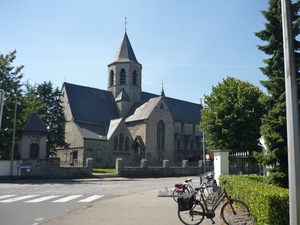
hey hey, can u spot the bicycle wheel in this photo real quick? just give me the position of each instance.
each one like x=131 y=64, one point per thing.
x=233 y=207
x=175 y=194
x=193 y=216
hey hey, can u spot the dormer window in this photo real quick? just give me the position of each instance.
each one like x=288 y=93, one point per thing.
x=122 y=76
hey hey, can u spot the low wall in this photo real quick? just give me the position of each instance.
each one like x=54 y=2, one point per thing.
x=5 y=166
x=145 y=170
x=49 y=169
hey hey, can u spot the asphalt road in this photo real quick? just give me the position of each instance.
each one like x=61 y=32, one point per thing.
x=35 y=203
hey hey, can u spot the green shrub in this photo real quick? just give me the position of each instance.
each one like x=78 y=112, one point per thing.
x=268 y=204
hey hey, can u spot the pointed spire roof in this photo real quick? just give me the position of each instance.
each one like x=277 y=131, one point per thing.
x=34 y=123
x=125 y=52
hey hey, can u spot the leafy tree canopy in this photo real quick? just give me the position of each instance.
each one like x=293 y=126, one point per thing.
x=274 y=129
x=231 y=116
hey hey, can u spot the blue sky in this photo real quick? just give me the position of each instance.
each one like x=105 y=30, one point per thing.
x=190 y=46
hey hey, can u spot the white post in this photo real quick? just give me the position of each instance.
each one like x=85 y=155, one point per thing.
x=221 y=162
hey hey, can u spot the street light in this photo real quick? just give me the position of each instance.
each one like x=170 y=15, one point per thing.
x=14 y=131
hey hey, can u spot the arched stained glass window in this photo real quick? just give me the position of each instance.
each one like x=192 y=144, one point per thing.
x=160 y=135
x=121 y=142
x=126 y=144
x=116 y=143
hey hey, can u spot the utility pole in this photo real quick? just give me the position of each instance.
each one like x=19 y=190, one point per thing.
x=292 y=113
x=14 y=131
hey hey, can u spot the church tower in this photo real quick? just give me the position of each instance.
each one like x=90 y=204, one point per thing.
x=125 y=73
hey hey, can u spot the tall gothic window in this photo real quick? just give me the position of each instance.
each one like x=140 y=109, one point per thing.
x=160 y=135
x=126 y=144
x=192 y=144
x=134 y=78
x=111 y=78
x=116 y=143
x=121 y=142
x=122 y=76
x=178 y=144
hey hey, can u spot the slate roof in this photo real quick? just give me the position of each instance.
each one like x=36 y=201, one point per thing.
x=35 y=124
x=91 y=104
x=92 y=131
x=125 y=52
x=180 y=110
x=142 y=111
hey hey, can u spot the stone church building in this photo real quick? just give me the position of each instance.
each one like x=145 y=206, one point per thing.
x=125 y=122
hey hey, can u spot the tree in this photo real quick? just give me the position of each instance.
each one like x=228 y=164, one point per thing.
x=10 y=77
x=274 y=129
x=231 y=116
x=46 y=101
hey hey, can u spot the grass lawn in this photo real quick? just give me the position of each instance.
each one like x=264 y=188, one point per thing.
x=104 y=170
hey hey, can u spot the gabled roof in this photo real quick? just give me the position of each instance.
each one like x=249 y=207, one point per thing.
x=92 y=131
x=180 y=110
x=142 y=111
x=113 y=126
x=91 y=104
x=125 y=52
x=122 y=96
x=34 y=123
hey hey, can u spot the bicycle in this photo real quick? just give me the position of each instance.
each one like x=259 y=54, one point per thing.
x=208 y=186
x=192 y=211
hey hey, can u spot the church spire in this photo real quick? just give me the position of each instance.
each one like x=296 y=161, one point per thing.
x=125 y=52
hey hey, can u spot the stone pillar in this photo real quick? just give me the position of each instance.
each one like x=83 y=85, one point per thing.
x=144 y=163
x=119 y=165
x=166 y=163
x=185 y=163
x=221 y=162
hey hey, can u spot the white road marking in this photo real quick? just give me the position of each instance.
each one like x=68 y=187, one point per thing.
x=19 y=198
x=91 y=198
x=43 y=198
x=6 y=196
x=69 y=198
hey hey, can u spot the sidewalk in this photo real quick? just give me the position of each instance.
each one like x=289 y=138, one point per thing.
x=141 y=208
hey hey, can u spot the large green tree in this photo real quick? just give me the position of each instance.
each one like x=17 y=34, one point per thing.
x=10 y=78
x=231 y=116
x=45 y=99
x=273 y=129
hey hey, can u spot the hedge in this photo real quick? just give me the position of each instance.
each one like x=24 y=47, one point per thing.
x=268 y=204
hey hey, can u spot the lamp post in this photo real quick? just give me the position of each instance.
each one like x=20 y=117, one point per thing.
x=14 y=131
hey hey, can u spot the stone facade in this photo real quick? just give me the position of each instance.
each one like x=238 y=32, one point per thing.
x=147 y=126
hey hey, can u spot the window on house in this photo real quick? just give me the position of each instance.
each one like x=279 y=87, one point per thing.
x=122 y=76
x=134 y=78
x=192 y=144
x=111 y=79
x=121 y=142
x=126 y=144
x=160 y=135
x=116 y=143
x=193 y=128
x=34 y=150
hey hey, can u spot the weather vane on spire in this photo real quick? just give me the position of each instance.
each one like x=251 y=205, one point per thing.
x=125 y=23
